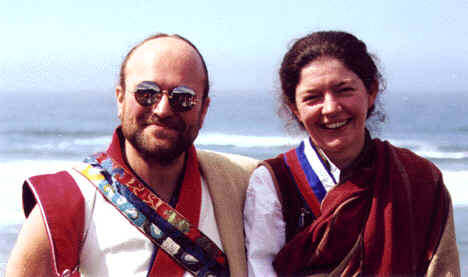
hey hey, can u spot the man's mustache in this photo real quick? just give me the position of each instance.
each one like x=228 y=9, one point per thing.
x=169 y=122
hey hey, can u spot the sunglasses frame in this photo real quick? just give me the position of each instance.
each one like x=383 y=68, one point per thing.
x=152 y=90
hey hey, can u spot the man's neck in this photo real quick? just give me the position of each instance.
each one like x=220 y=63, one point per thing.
x=162 y=178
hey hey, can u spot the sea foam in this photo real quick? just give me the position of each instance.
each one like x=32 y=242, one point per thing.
x=221 y=139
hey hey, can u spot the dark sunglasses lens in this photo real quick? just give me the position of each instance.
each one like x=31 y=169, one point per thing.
x=147 y=97
x=182 y=102
x=181 y=99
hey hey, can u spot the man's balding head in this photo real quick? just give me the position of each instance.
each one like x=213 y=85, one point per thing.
x=123 y=67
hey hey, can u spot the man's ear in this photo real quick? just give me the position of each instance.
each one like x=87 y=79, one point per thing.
x=204 y=110
x=120 y=96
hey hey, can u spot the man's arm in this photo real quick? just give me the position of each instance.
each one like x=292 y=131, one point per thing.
x=31 y=255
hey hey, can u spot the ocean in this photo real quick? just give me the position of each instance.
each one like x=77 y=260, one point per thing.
x=42 y=132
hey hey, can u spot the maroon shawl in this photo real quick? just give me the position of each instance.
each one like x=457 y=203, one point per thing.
x=398 y=207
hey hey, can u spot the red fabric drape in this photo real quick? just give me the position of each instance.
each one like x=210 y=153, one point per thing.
x=399 y=205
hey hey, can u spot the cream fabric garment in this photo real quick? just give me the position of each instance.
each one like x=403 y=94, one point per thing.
x=227 y=177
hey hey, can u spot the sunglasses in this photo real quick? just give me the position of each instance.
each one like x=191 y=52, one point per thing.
x=181 y=98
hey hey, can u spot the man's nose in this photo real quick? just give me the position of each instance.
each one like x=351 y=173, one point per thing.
x=163 y=107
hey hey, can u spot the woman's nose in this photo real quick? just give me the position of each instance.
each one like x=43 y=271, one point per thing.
x=330 y=104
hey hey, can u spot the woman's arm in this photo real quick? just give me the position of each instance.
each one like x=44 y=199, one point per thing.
x=263 y=223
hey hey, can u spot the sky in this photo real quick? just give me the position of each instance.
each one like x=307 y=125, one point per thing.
x=56 y=46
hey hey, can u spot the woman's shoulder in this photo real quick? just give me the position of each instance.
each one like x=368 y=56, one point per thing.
x=406 y=156
x=417 y=168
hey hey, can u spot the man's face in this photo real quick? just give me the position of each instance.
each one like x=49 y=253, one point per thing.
x=157 y=132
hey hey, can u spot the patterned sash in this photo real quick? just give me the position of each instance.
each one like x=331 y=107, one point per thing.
x=307 y=181
x=157 y=220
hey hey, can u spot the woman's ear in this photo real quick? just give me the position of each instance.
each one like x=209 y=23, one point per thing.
x=293 y=108
x=373 y=91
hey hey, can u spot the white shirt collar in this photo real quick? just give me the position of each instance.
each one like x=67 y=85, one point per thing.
x=320 y=169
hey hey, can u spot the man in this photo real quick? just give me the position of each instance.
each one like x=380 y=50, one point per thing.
x=151 y=205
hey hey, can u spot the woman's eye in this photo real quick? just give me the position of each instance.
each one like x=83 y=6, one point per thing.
x=345 y=89
x=311 y=97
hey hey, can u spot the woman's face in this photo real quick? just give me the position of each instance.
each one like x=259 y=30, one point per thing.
x=332 y=104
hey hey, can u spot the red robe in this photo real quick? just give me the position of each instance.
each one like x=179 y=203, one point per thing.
x=398 y=207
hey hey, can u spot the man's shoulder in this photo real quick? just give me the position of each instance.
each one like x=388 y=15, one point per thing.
x=209 y=159
x=53 y=174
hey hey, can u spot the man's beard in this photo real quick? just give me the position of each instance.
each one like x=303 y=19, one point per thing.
x=157 y=152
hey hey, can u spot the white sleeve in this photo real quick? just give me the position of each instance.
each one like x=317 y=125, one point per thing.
x=263 y=223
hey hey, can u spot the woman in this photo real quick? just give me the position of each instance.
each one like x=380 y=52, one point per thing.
x=342 y=203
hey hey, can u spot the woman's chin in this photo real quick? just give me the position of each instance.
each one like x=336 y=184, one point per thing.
x=337 y=147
